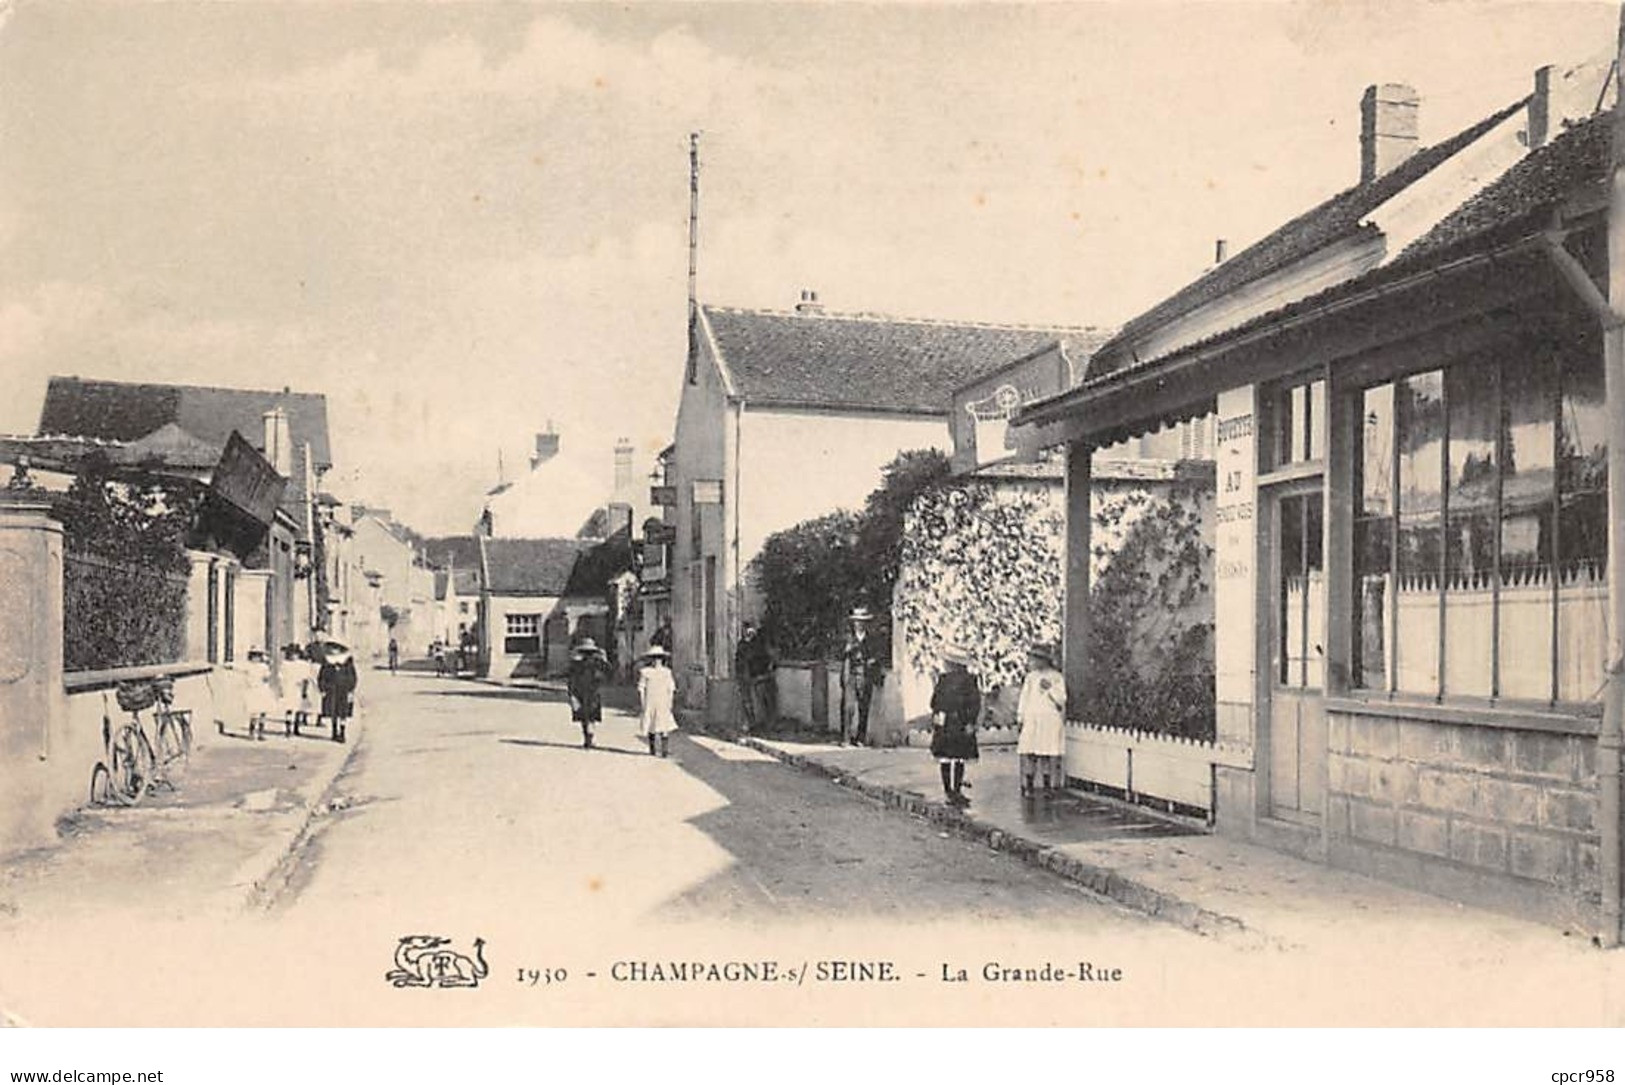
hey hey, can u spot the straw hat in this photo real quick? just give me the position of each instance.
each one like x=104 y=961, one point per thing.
x=955 y=653
x=1044 y=652
x=861 y=614
x=587 y=646
x=656 y=652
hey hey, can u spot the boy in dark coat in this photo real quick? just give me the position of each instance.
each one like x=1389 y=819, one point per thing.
x=588 y=669
x=956 y=705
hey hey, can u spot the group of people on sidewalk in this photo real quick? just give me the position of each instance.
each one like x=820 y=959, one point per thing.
x=956 y=706
x=313 y=683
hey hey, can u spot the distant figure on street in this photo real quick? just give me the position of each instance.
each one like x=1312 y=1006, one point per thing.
x=657 y=692
x=661 y=637
x=753 y=669
x=437 y=652
x=394 y=655
x=337 y=681
x=588 y=669
x=1041 y=715
x=956 y=704
x=861 y=673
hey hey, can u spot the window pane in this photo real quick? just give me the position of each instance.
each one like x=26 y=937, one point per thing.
x=1373 y=540
x=1527 y=478
x=1317 y=420
x=1419 y=417
x=1469 y=599
x=1290 y=627
x=1314 y=650
x=1582 y=529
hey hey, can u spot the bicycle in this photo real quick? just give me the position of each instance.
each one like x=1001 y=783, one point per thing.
x=174 y=725
x=129 y=768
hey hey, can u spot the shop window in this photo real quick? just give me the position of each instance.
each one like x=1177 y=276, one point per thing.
x=523 y=634
x=1480 y=530
x=1299 y=413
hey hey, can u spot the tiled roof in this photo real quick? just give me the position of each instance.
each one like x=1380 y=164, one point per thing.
x=870 y=363
x=454 y=551
x=1515 y=206
x=466 y=582
x=1335 y=219
x=551 y=567
x=120 y=411
x=1574 y=159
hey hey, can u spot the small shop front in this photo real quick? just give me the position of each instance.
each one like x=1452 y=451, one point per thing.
x=1409 y=569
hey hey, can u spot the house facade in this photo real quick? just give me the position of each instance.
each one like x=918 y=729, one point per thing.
x=787 y=416
x=1414 y=513
x=538 y=596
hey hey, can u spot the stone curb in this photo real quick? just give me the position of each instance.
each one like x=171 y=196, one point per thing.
x=267 y=874
x=1095 y=877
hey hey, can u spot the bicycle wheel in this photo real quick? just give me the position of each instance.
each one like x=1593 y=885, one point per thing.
x=132 y=770
x=173 y=745
x=101 y=785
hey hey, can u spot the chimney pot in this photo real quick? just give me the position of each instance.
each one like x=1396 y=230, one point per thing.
x=547 y=446
x=1540 y=109
x=1221 y=251
x=1388 y=130
x=809 y=302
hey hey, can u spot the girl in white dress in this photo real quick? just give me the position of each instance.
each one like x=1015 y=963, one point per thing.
x=657 y=691
x=1041 y=712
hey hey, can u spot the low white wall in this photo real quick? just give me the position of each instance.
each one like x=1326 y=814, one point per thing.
x=1148 y=765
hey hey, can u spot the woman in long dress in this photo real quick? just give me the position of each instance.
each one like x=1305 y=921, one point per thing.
x=337 y=680
x=588 y=669
x=956 y=705
x=657 y=692
x=1041 y=714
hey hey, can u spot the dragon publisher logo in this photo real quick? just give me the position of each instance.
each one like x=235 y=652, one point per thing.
x=425 y=960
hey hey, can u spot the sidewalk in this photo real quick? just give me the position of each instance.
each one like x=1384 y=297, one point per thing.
x=213 y=844
x=1174 y=871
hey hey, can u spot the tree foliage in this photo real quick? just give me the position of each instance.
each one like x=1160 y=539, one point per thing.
x=813 y=575
x=810 y=575
x=125 y=569
x=1151 y=618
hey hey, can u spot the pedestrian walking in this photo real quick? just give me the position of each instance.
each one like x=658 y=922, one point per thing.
x=753 y=668
x=861 y=673
x=337 y=682
x=956 y=704
x=588 y=669
x=394 y=655
x=657 y=692
x=1041 y=715
x=261 y=697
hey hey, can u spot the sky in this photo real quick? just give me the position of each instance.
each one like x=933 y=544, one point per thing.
x=462 y=221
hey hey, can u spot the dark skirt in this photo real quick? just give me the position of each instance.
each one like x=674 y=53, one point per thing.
x=336 y=704
x=954 y=741
x=588 y=708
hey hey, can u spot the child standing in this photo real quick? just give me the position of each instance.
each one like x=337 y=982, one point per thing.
x=1041 y=714
x=657 y=691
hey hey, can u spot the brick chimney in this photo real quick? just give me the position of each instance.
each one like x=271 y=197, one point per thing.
x=278 y=441
x=809 y=303
x=1387 y=128
x=547 y=446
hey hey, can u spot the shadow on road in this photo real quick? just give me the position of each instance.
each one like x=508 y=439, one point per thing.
x=489 y=693
x=803 y=847
x=570 y=746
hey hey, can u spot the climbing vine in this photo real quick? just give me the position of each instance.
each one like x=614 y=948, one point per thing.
x=981 y=568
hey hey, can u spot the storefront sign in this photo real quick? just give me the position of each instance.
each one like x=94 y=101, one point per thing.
x=982 y=410
x=247 y=480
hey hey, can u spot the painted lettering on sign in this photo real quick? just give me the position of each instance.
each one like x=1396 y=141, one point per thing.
x=1229 y=514
x=1235 y=429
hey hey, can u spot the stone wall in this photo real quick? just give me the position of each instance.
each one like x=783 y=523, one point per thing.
x=1466 y=808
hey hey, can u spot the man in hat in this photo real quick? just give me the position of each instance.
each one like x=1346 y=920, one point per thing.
x=753 y=669
x=588 y=669
x=860 y=673
x=1041 y=715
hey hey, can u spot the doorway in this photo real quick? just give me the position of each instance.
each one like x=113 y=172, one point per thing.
x=1297 y=628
